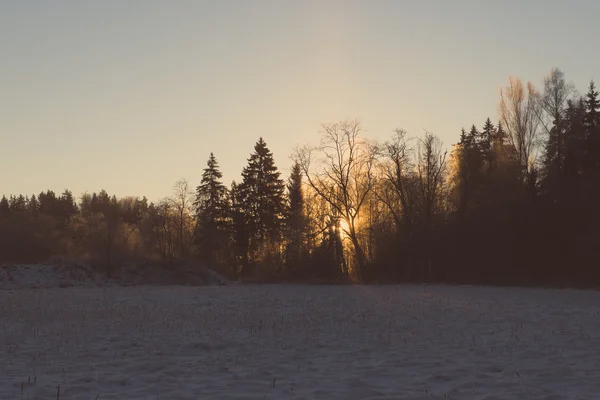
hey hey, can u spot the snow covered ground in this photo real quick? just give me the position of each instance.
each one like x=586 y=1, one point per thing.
x=299 y=342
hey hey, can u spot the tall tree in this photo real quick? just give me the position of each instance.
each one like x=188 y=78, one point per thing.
x=592 y=123
x=182 y=202
x=238 y=229
x=431 y=172
x=486 y=142
x=296 y=220
x=211 y=214
x=262 y=199
x=575 y=141
x=519 y=110
x=18 y=203
x=4 y=206
x=344 y=178
x=33 y=205
x=553 y=102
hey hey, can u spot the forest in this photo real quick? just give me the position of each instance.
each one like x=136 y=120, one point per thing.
x=512 y=202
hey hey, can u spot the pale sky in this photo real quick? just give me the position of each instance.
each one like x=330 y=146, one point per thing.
x=132 y=95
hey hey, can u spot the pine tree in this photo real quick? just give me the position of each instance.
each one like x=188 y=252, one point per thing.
x=486 y=140
x=18 y=203
x=33 y=205
x=4 y=206
x=211 y=213
x=575 y=137
x=262 y=200
x=474 y=136
x=296 y=219
x=552 y=160
x=592 y=123
x=48 y=203
x=66 y=207
x=468 y=139
x=500 y=137
x=238 y=228
x=469 y=165
x=592 y=107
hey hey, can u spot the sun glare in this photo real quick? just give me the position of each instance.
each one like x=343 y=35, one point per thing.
x=344 y=228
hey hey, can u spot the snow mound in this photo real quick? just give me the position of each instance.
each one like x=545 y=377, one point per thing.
x=38 y=276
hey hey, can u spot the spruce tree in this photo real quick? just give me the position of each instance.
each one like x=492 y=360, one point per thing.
x=468 y=139
x=592 y=107
x=296 y=219
x=575 y=138
x=474 y=135
x=48 y=203
x=33 y=205
x=238 y=229
x=18 y=203
x=4 y=206
x=469 y=168
x=486 y=140
x=592 y=122
x=500 y=136
x=211 y=213
x=262 y=199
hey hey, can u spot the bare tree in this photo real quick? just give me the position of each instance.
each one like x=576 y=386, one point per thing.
x=397 y=169
x=164 y=230
x=552 y=105
x=342 y=176
x=553 y=101
x=519 y=110
x=182 y=202
x=431 y=171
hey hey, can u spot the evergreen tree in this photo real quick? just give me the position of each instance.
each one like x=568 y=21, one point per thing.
x=18 y=203
x=592 y=107
x=262 y=199
x=469 y=167
x=296 y=219
x=575 y=137
x=486 y=140
x=238 y=228
x=592 y=123
x=211 y=213
x=33 y=205
x=67 y=204
x=48 y=204
x=474 y=136
x=4 y=206
x=468 y=140
x=500 y=136
x=140 y=209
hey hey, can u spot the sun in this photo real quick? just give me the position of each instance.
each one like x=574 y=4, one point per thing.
x=344 y=228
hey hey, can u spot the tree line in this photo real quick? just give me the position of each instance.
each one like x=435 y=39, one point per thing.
x=514 y=201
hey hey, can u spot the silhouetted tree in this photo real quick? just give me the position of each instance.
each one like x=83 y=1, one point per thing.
x=239 y=230
x=4 y=206
x=592 y=124
x=486 y=143
x=343 y=178
x=261 y=196
x=519 y=110
x=387 y=212
x=295 y=221
x=552 y=105
x=212 y=211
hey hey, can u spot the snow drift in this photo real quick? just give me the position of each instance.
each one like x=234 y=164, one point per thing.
x=36 y=276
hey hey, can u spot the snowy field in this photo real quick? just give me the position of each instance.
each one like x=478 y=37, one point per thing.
x=299 y=342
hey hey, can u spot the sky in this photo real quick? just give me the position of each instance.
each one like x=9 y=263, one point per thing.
x=131 y=96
